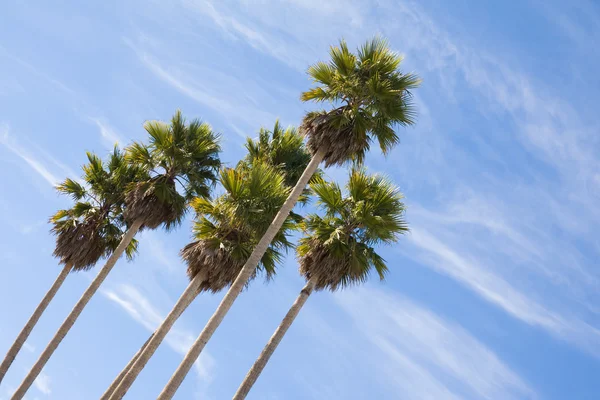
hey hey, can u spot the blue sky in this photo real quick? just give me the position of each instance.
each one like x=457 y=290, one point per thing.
x=493 y=295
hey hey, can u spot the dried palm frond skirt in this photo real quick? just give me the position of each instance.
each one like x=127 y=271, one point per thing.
x=329 y=272
x=80 y=245
x=218 y=267
x=341 y=143
x=142 y=203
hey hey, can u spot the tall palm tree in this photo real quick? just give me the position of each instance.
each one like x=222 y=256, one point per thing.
x=225 y=233
x=177 y=154
x=283 y=150
x=338 y=248
x=370 y=97
x=86 y=232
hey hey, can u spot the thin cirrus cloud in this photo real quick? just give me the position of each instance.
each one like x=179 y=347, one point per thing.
x=420 y=353
x=38 y=72
x=107 y=132
x=141 y=309
x=505 y=254
x=524 y=226
x=498 y=291
x=208 y=91
x=42 y=383
x=45 y=164
x=36 y=163
x=544 y=128
x=261 y=25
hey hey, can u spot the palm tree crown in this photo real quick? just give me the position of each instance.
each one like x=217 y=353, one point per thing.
x=228 y=227
x=285 y=150
x=178 y=155
x=282 y=148
x=370 y=95
x=338 y=249
x=94 y=226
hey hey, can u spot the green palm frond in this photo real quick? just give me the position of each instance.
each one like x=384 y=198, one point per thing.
x=282 y=148
x=232 y=182
x=228 y=227
x=93 y=227
x=72 y=188
x=182 y=161
x=139 y=154
x=337 y=249
x=132 y=249
x=370 y=95
x=161 y=134
x=329 y=195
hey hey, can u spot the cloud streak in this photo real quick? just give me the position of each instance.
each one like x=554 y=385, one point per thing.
x=528 y=235
x=207 y=87
x=42 y=383
x=108 y=134
x=141 y=310
x=425 y=355
x=36 y=164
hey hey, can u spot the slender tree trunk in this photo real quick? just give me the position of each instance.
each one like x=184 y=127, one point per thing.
x=189 y=294
x=119 y=377
x=20 y=340
x=241 y=280
x=70 y=320
x=267 y=352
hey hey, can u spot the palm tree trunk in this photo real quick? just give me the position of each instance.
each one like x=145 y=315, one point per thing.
x=70 y=320
x=267 y=352
x=189 y=294
x=20 y=340
x=241 y=280
x=119 y=377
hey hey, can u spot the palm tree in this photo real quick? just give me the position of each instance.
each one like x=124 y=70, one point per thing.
x=177 y=154
x=371 y=96
x=225 y=233
x=86 y=232
x=284 y=151
x=338 y=248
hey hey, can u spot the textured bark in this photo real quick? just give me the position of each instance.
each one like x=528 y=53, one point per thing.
x=24 y=334
x=233 y=292
x=70 y=320
x=124 y=371
x=269 y=349
x=189 y=294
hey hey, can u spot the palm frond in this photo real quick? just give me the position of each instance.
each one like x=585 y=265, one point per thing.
x=228 y=227
x=93 y=227
x=178 y=153
x=337 y=249
x=280 y=148
x=371 y=97
x=72 y=188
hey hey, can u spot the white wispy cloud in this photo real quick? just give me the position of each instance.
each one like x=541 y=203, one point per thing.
x=521 y=251
x=508 y=250
x=107 y=132
x=424 y=355
x=141 y=309
x=520 y=235
x=29 y=347
x=36 y=164
x=42 y=383
x=38 y=72
x=455 y=257
x=279 y=30
x=165 y=258
x=209 y=87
